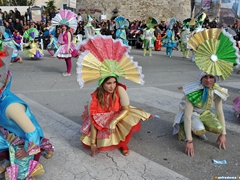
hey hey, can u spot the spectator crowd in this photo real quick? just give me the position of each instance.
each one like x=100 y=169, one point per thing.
x=18 y=24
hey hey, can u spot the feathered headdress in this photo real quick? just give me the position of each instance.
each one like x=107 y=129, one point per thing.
x=151 y=22
x=121 y=22
x=31 y=34
x=216 y=52
x=51 y=30
x=65 y=17
x=102 y=57
x=171 y=23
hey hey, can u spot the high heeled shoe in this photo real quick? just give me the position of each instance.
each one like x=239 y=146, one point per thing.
x=93 y=149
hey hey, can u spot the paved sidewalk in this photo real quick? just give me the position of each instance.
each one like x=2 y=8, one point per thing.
x=71 y=162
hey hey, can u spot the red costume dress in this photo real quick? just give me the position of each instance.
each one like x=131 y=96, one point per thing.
x=158 y=43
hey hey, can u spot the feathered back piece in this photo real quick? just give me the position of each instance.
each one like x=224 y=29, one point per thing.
x=102 y=57
x=151 y=22
x=171 y=23
x=201 y=18
x=188 y=22
x=216 y=52
x=65 y=17
x=121 y=22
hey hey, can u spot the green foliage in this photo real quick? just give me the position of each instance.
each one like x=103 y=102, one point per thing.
x=17 y=2
x=50 y=6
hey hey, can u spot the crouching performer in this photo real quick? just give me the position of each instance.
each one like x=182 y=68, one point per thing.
x=21 y=138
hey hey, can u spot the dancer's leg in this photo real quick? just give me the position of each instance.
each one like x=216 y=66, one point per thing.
x=69 y=65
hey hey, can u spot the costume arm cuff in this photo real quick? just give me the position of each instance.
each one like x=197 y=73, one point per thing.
x=123 y=113
x=32 y=142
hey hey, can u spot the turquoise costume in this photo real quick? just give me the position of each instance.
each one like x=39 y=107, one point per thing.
x=13 y=137
x=121 y=23
x=9 y=41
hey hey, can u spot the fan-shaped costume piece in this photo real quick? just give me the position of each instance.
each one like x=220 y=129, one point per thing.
x=171 y=23
x=31 y=34
x=121 y=23
x=65 y=17
x=103 y=56
x=216 y=52
x=15 y=135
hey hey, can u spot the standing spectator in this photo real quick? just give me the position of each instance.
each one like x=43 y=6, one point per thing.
x=5 y=16
x=25 y=27
x=157 y=30
x=163 y=25
x=18 y=26
x=1 y=17
x=17 y=14
x=7 y=26
x=11 y=25
x=12 y=16
x=52 y=14
x=28 y=15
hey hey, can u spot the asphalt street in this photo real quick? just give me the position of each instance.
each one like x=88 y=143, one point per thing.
x=40 y=82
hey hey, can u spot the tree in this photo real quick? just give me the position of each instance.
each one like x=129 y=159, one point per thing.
x=17 y=2
x=50 y=6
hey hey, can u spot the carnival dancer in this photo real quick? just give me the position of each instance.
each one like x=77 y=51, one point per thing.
x=148 y=36
x=109 y=120
x=7 y=40
x=195 y=109
x=184 y=37
x=169 y=39
x=121 y=24
x=52 y=45
x=66 y=19
x=21 y=137
x=31 y=48
x=88 y=27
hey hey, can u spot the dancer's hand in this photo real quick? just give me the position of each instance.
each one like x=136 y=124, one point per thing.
x=21 y=153
x=221 y=141
x=189 y=148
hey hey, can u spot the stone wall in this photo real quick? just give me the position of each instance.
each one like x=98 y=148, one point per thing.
x=139 y=9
